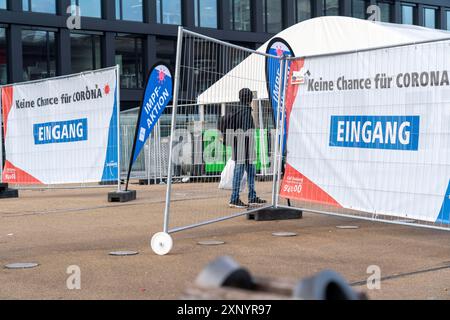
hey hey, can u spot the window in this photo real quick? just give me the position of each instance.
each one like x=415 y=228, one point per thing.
x=386 y=11
x=359 y=9
x=240 y=15
x=86 y=52
x=206 y=13
x=3 y=4
x=89 y=8
x=3 y=57
x=429 y=18
x=408 y=13
x=303 y=10
x=168 y=11
x=129 y=56
x=131 y=10
x=39 y=54
x=45 y=6
x=207 y=72
x=166 y=49
x=272 y=16
x=330 y=7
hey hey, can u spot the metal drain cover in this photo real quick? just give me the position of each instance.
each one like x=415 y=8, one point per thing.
x=123 y=253
x=15 y=266
x=284 y=234
x=211 y=243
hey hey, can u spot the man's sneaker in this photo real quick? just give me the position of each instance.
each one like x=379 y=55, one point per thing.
x=257 y=202
x=238 y=205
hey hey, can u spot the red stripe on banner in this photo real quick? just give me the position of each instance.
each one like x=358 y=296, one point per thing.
x=7 y=102
x=14 y=175
x=292 y=89
x=298 y=187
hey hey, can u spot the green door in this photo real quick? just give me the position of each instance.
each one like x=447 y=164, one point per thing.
x=212 y=144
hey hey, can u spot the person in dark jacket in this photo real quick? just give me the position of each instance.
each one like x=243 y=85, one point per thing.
x=241 y=134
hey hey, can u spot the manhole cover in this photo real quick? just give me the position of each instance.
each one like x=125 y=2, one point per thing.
x=123 y=253
x=211 y=243
x=14 y=266
x=347 y=227
x=284 y=234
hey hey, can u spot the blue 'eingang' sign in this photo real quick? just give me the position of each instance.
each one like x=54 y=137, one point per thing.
x=375 y=132
x=61 y=132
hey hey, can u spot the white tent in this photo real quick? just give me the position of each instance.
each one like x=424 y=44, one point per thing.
x=323 y=35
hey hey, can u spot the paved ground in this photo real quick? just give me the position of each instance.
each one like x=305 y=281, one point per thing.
x=63 y=228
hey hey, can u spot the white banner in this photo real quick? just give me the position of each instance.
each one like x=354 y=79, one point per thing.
x=62 y=130
x=370 y=131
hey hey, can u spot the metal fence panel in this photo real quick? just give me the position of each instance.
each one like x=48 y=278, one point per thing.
x=369 y=135
x=207 y=94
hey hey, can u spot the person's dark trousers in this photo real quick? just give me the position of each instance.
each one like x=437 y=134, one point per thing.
x=239 y=171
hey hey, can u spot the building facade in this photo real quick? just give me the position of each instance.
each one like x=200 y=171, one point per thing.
x=36 y=43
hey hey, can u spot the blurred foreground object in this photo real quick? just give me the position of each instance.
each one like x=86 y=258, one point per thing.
x=225 y=279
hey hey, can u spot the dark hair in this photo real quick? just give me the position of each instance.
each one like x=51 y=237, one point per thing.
x=246 y=96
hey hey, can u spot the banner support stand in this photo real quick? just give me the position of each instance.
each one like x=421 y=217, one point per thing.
x=162 y=242
x=119 y=195
x=275 y=212
x=285 y=80
x=119 y=145
x=172 y=134
x=277 y=141
x=154 y=100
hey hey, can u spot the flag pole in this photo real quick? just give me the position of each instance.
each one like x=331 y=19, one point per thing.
x=133 y=150
x=139 y=119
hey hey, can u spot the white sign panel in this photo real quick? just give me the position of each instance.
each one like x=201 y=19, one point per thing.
x=370 y=131
x=62 y=130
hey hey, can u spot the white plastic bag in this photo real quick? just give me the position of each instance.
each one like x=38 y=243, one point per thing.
x=226 y=181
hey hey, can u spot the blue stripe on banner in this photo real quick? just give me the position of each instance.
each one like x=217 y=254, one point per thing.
x=111 y=167
x=444 y=215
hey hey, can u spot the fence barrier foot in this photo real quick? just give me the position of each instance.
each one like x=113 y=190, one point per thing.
x=108 y=183
x=145 y=182
x=122 y=196
x=7 y=193
x=275 y=214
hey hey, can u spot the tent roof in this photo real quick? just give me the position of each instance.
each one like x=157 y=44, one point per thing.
x=323 y=35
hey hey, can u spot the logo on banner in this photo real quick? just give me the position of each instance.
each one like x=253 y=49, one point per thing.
x=10 y=174
x=142 y=135
x=375 y=132
x=158 y=94
x=299 y=77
